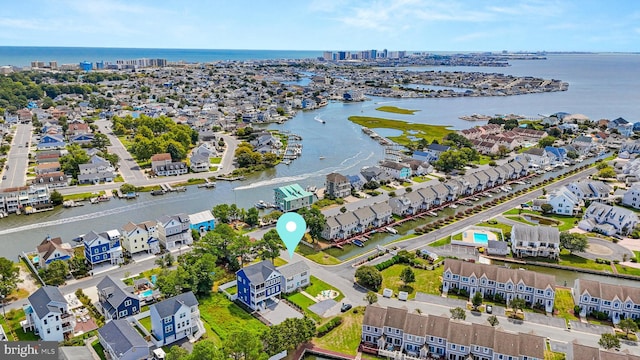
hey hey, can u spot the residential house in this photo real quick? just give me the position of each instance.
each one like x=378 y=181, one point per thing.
x=51 y=141
x=564 y=202
x=202 y=221
x=48 y=315
x=77 y=127
x=294 y=276
x=366 y=217
x=258 y=284
x=51 y=250
x=535 y=157
x=16 y=199
x=435 y=150
x=631 y=146
x=624 y=127
x=162 y=165
x=632 y=196
x=52 y=180
x=419 y=168
x=103 y=247
x=348 y=224
x=441 y=194
x=292 y=197
x=337 y=186
x=122 y=342
x=396 y=170
x=374 y=173
x=115 y=301
x=81 y=139
x=357 y=181
x=141 y=237
x=557 y=155
x=200 y=158
x=174 y=230
x=617 y=301
x=331 y=228
x=608 y=219
x=176 y=318
x=96 y=170
x=45 y=168
x=543 y=241
x=383 y=212
x=497 y=247
x=534 y=288
x=578 y=351
x=590 y=190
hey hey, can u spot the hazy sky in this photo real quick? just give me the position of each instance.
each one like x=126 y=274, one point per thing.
x=436 y=25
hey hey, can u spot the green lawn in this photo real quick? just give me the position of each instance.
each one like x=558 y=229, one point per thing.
x=396 y=110
x=387 y=187
x=579 y=262
x=146 y=322
x=346 y=337
x=13 y=321
x=427 y=281
x=441 y=242
x=484 y=159
x=99 y=349
x=304 y=302
x=232 y=290
x=637 y=253
x=279 y=262
x=82 y=196
x=319 y=257
x=423 y=131
x=504 y=227
x=518 y=219
x=216 y=160
x=419 y=179
x=627 y=270
x=221 y=317
x=318 y=285
x=564 y=303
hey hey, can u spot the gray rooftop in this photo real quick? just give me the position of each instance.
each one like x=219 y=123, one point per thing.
x=169 y=306
x=122 y=337
x=40 y=300
x=295 y=268
x=113 y=291
x=259 y=272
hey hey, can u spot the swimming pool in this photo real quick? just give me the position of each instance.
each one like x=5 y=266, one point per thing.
x=480 y=238
x=145 y=293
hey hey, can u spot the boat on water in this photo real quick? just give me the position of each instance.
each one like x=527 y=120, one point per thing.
x=157 y=192
x=208 y=185
x=322 y=157
x=358 y=243
x=431 y=213
x=317 y=118
x=261 y=205
x=391 y=230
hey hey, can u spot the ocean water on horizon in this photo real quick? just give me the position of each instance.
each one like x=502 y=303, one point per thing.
x=23 y=56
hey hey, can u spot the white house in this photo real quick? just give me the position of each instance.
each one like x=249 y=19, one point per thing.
x=564 y=202
x=294 y=276
x=590 y=189
x=608 y=220
x=48 y=315
x=174 y=231
x=175 y=318
x=534 y=241
x=632 y=196
x=617 y=301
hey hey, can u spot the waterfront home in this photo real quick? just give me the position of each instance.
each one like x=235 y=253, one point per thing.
x=557 y=155
x=394 y=332
x=564 y=202
x=374 y=173
x=630 y=146
x=365 y=216
x=331 y=228
x=590 y=189
x=441 y=194
x=176 y=318
x=337 y=186
x=357 y=181
x=396 y=170
x=141 y=237
x=103 y=247
x=294 y=276
x=535 y=157
x=419 y=168
x=51 y=141
x=199 y=163
x=96 y=170
x=583 y=144
x=48 y=315
x=435 y=150
x=348 y=224
x=202 y=221
x=469 y=184
x=493 y=177
x=292 y=197
x=174 y=230
x=115 y=301
x=632 y=196
x=52 y=179
x=400 y=205
x=543 y=241
x=483 y=180
x=16 y=199
x=608 y=219
x=51 y=250
x=616 y=301
x=122 y=342
x=624 y=127
x=455 y=188
x=258 y=284
x=536 y=289
x=162 y=165
x=383 y=212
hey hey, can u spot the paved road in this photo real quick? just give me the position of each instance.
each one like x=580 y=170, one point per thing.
x=18 y=158
x=128 y=167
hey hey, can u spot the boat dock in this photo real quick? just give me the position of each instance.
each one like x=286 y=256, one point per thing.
x=208 y=185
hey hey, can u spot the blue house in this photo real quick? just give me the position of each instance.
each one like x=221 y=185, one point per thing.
x=116 y=301
x=202 y=221
x=257 y=284
x=421 y=155
x=175 y=318
x=102 y=247
x=434 y=150
x=556 y=154
x=51 y=142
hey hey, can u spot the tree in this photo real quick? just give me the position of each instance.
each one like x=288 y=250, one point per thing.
x=221 y=212
x=407 y=275
x=458 y=313
x=517 y=304
x=240 y=248
x=315 y=221
x=100 y=141
x=9 y=277
x=476 y=300
x=271 y=244
x=607 y=172
x=206 y=349
x=56 y=273
x=628 y=325
x=546 y=141
x=371 y=297
x=56 y=198
x=546 y=208
x=573 y=242
x=288 y=335
x=177 y=353
x=243 y=344
x=493 y=320
x=369 y=277
x=572 y=155
x=253 y=217
x=168 y=259
x=609 y=341
x=78 y=266
x=343 y=209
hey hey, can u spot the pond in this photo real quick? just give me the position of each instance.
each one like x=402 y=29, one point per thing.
x=540 y=220
x=433 y=87
x=387 y=132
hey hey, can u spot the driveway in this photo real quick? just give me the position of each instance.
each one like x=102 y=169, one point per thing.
x=545 y=320
x=278 y=312
x=590 y=328
x=603 y=249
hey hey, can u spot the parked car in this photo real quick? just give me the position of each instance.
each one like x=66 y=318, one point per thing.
x=489 y=309
x=345 y=307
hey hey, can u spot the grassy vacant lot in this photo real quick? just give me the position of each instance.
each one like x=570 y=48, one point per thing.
x=427 y=281
x=82 y=196
x=419 y=179
x=423 y=131
x=318 y=285
x=396 y=110
x=320 y=257
x=221 y=317
x=564 y=303
x=12 y=321
x=346 y=337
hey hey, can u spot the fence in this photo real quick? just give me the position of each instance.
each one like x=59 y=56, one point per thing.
x=33 y=269
x=223 y=289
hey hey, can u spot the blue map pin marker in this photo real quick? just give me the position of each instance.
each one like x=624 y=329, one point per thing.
x=291 y=228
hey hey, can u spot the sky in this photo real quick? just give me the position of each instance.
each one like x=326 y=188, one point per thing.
x=412 y=25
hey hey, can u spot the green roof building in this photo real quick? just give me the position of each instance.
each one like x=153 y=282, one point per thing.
x=292 y=197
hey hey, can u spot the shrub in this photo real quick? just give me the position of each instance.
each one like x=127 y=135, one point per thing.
x=332 y=324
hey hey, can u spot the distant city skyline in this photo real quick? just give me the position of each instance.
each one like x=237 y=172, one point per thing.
x=411 y=25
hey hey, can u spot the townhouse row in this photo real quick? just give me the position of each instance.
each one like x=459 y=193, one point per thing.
x=389 y=331
x=616 y=301
x=343 y=226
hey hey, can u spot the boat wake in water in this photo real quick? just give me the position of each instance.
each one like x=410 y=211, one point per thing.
x=341 y=167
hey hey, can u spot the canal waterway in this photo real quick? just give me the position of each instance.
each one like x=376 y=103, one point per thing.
x=600 y=86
